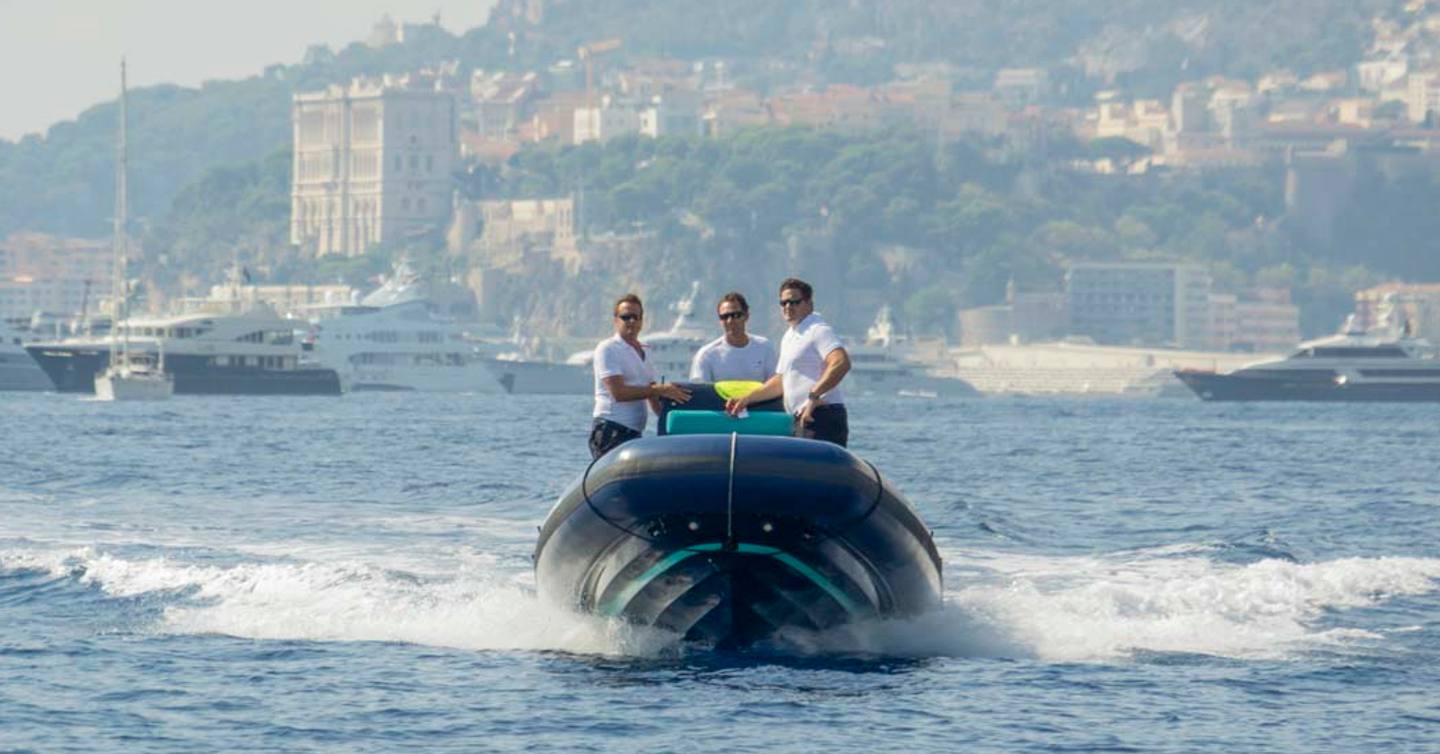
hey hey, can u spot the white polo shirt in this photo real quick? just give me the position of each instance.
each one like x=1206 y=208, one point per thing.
x=613 y=357
x=717 y=361
x=802 y=360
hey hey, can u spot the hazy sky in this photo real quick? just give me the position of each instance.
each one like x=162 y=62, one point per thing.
x=62 y=56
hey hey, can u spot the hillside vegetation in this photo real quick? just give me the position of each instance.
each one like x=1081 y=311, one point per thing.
x=61 y=182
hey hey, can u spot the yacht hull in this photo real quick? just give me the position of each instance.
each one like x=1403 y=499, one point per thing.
x=909 y=385
x=74 y=369
x=801 y=536
x=1322 y=386
x=542 y=377
x=121 y=388
x=19 y=372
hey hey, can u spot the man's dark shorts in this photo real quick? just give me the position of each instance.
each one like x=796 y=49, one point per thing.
x=828 y=422
x=605 y=435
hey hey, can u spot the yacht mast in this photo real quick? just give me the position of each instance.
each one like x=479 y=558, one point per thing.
x=121 y=307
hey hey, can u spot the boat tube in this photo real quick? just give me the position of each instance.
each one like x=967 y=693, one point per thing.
x=728 y=539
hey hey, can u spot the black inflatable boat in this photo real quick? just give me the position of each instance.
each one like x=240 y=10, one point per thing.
x=730 y=538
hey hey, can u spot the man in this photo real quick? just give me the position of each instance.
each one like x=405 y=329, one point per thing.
x=624 y=382
x=813 y=361
x=736 y=355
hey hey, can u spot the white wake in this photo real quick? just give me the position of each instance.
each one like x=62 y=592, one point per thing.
x=1087 y=609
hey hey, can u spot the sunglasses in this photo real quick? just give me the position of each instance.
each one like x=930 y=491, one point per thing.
x=791 y=301
x=725 y=317
x=629 y=317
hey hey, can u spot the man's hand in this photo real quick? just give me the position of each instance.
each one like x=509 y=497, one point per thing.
x=672 y=392
x=807 y=411
x=736 y=405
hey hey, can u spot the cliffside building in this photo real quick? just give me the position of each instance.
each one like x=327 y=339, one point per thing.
x=372 y=163
x=1140 y=303
x=514 y=234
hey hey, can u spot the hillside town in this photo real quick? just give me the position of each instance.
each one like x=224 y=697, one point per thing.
x=375 y=161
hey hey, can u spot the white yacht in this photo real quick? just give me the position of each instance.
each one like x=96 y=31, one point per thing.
x=393 y=339
x=223 y=344
x=128 y=376
x=1385 y=364
x=884 y=366
x=517 y=374
x=670 y=353
x=134 y=376
x=17 y=370
x=1077 y=366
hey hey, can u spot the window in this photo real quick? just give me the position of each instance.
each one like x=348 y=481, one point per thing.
x=1362 y=352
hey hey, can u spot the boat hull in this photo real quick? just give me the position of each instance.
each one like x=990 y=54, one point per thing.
x=801 y=536
x=19 y=372
x=909 y=385
x=542 y=377
x=110 y=387
x=1319 y=386
x=73 y=369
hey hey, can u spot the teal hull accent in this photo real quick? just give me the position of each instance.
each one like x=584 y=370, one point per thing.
x=615 y=606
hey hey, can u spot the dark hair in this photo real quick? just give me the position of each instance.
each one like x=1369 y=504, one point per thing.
x=799 y=285
x=628 y=298
x=734 y=297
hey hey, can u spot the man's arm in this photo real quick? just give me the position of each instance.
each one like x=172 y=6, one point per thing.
x=773 y=388
x=837 y=365
x=622 y=392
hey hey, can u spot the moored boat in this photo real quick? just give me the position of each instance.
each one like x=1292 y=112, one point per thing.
x=1385 y=365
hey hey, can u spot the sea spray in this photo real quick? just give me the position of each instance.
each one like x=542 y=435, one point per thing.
x=1106 y=609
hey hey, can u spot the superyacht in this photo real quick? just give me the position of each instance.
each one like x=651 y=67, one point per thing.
x=670 y=352
x=393 y=339
x=219 y=345
x=1386 y=364
x=883 y=366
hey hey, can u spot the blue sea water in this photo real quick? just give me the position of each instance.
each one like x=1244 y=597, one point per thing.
x=353 y=574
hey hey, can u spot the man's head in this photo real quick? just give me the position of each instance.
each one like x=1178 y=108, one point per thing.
x=628 y=316
x=733 y=311
x=796 y=300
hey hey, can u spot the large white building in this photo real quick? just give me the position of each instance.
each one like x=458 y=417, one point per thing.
x=674 y=113
x=372 y=163
x=1140 y=303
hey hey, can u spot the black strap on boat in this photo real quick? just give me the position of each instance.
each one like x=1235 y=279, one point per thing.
x=730 y=543
x=585 y=492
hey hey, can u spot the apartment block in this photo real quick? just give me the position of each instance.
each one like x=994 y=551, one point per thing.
x=1140 y=303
